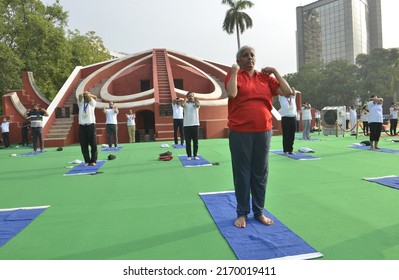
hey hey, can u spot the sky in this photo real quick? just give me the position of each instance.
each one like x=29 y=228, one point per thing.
x=195 y=27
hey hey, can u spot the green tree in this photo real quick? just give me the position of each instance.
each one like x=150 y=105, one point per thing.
x=236 y=19
x=10 y=66
x=374 y=70
x=86 y=48
x=307 y=80
x=393 y=80
x=392 y=73
x=339 y=83
x=34 y=36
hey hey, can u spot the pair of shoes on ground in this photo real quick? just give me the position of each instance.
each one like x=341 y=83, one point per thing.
x=168 y=153
x=165 y=156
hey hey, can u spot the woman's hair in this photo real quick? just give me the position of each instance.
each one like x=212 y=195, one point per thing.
x=241 y=51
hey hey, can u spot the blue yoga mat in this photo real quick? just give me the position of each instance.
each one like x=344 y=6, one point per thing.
x=85 y=170
x=112 y=149
x=13 y=221
x=256 y=241
x=382 y=150
x=391 y=181
x=296 y=155
x=31 y=154
x=194 y=162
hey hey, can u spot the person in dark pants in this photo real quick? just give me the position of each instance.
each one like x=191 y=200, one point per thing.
x=87 y=127
x=250 y=104
x=298 y=120
x=191 y=124
x=393 y=118
x=178 y=120
x=36 y=123
x=364 y=115
x=375 y=120
x=288 y=121
x=25 y=132
x=5 y=132
x=111 y=124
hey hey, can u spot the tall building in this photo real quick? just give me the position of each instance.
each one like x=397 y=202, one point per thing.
x=337 y=29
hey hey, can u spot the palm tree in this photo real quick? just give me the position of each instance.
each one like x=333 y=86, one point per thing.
x=236 y=19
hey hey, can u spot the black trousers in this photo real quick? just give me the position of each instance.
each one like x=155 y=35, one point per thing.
x=37 y=135
x=112 y=134
x=178 y=126
x=250 y=161
x=25 y=139
x=394 y=124
x=288 y=125
x=6 y=139
x=88 y=137
x=375 y=131
x=191 y=133
x=366 y=128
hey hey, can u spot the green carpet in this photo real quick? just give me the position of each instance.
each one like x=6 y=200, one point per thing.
x=142 y=208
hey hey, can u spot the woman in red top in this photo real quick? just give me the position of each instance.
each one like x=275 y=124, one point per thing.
x=250 y=128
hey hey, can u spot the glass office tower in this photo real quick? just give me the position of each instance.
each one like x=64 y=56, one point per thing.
x=337 y=29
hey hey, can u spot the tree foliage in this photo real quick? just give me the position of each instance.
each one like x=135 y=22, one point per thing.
x=236 y=19
x=378 y=72
x=341 y=83
x=34 y=38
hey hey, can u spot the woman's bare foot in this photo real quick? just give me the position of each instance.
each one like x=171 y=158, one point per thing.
x=86 y=164
x=265 y=220
x=241 y=222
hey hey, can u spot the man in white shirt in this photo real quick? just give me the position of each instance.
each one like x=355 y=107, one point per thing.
x=111 y=124
x=375 y=120
x=131 y=126
x=5 y=131
x=306 y=119
x=178 y=120
x=393 y=118
x=87 y=127
x=352 y=119
x=191 y=124
x=288 y=121
x=36 y=123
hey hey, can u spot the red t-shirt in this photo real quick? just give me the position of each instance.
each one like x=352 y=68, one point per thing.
x=250 y=110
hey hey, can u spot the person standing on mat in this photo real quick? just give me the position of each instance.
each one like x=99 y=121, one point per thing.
x=364 y=115
x=87 y=127
x=5 y=132
x=306 y=120
x=36 y=123
x=111 y=124
x=250 y=96
x=352 y=119
x=288 y=121
x=191 y=107
x=375 y=120
x=298 y=120
x=25 y=132
x=393 y=118
x=131 y=126
x=178 y=120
